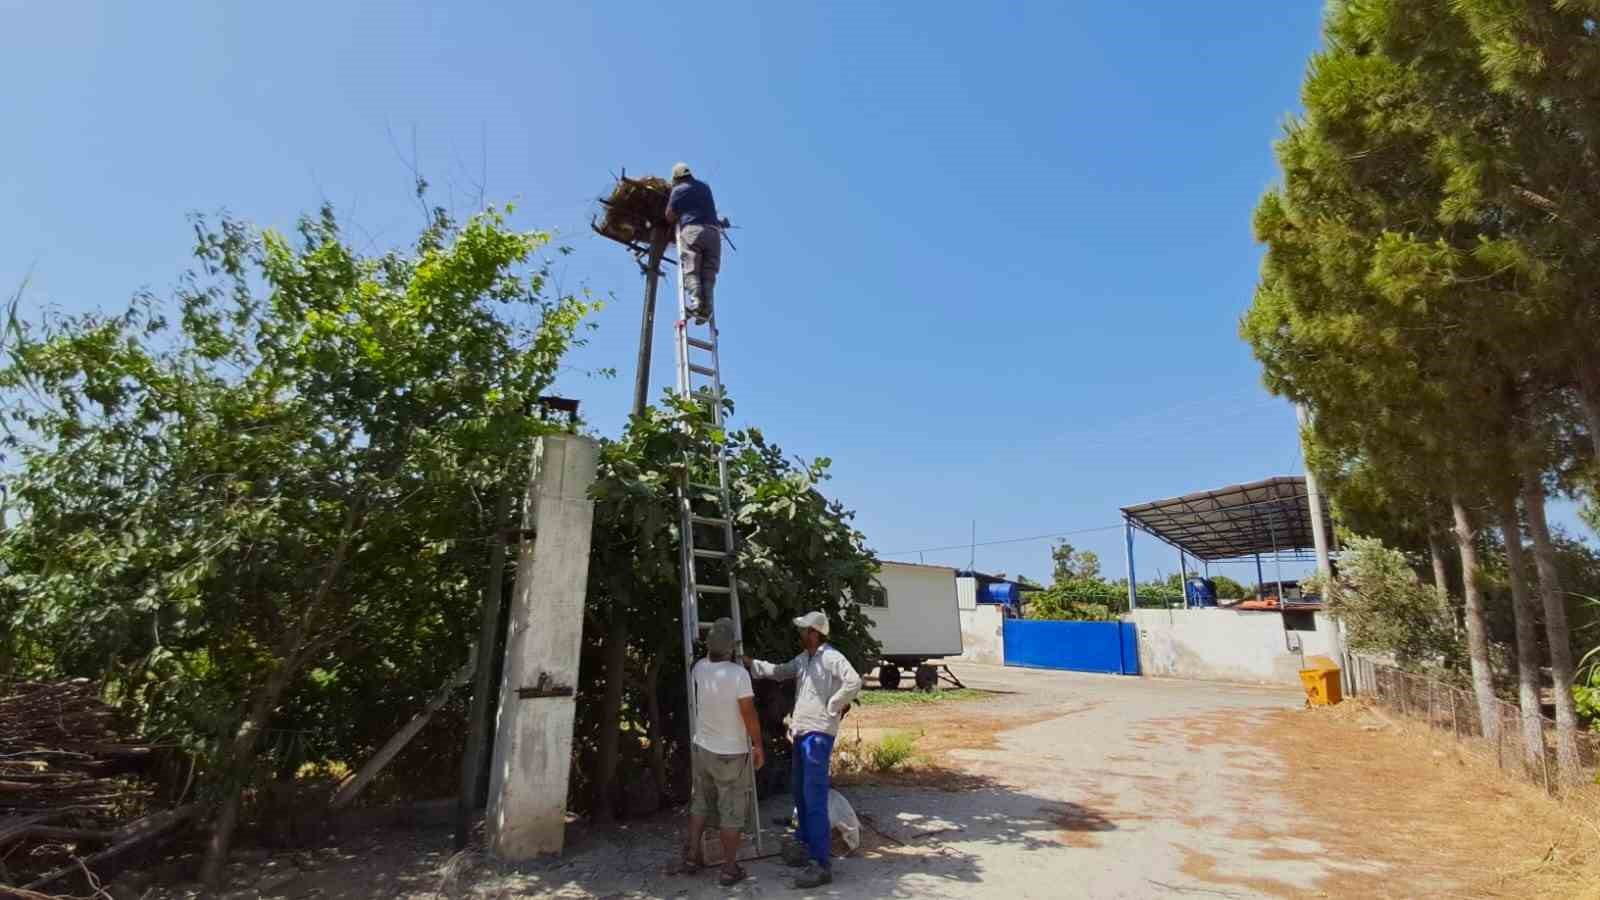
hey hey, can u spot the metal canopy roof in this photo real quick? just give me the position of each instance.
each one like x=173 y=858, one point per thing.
x=1267 y=516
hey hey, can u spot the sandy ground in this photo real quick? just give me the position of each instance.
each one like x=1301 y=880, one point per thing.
x=1060 y=784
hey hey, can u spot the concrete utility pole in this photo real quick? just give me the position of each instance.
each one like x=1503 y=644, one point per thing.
x=1319 y=535
x=1319 y=538
x=533 y=731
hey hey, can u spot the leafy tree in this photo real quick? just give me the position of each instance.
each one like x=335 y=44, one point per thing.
x=797 y=551
x=218 y=494
x=1071 y=563
x=1385 y=609
x=1228 y=588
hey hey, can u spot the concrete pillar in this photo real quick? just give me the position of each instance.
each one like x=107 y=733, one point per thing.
x=533 y=730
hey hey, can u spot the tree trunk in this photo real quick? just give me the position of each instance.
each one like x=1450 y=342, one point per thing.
x=1441 y=580
x=611 y=710
x=1588 y=372
x=1441 y=574
x=1529 y=660
x=652 y=709
x=1562 y=671
x=236 y=765
x=1477 y=629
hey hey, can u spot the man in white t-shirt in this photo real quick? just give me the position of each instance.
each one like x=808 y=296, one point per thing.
x=727 y=741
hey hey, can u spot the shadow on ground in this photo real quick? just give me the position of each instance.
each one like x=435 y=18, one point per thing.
x=916 y=842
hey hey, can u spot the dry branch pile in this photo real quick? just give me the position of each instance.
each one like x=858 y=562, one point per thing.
x=67 y=772
x=636 y=207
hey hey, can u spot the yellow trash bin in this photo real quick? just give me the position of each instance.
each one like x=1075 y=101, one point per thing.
x=1322 y=686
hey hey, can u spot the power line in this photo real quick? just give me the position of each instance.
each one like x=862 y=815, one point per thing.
x=1022 y=540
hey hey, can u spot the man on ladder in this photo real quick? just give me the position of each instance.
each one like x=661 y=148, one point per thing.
x=706 y=518
x=692 y=209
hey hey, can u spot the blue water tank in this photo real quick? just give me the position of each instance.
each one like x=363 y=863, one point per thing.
x=1000 y=592
x=1200 y=592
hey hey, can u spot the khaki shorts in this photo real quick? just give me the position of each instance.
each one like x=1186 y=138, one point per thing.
x=721 y=787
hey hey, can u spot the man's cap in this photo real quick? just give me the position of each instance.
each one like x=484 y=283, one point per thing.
x=813 y=620
x=681 y=170
x=719 y=640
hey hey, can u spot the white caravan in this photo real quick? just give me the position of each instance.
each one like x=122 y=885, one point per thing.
x=915 y=619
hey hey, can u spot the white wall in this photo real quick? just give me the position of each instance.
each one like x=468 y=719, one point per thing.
x=983 y=634
x=921 y=618
x=967 y=592
x=1225 y=644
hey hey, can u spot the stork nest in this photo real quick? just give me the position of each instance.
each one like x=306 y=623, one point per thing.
x=636 y=207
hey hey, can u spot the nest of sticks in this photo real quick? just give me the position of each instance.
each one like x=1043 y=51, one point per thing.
x=636 y=208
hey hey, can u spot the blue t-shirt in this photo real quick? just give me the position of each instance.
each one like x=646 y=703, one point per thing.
x=691 y=200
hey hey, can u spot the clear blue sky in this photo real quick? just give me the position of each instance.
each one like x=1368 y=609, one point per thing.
x=990 y=262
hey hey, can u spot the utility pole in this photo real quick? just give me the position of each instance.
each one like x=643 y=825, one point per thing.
x=647 y=321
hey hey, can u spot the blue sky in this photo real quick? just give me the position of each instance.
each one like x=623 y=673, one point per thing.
x=990 y=262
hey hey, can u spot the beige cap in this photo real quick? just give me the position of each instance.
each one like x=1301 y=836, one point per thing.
x=680 y=170
x=719 y=638
x=813 y=620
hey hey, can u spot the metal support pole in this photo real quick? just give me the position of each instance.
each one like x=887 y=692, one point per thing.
x=1183 y=579
x=1133 y=586
x=1260 y=581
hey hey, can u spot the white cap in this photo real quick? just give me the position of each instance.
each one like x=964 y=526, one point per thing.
x=813 y=620
x=680 y=170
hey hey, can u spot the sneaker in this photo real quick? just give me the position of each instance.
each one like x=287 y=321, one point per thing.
x=813 y=876
x=795 y=854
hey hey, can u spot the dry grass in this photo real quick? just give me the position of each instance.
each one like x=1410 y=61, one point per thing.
x=1440 y=821
x=939 y=730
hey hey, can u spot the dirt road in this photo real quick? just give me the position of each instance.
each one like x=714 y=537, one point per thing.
x=1066 y=785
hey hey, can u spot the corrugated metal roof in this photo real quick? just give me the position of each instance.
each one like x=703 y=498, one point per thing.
x=1240 y=520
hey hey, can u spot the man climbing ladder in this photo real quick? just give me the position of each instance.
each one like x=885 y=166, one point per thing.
x=693 y=210
x=705 y=527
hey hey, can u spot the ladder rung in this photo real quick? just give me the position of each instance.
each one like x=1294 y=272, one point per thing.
x=713 y=589
x=710 y=554
x=702 y=370
x=703 y=626
x=696 y=342
x=707 y=520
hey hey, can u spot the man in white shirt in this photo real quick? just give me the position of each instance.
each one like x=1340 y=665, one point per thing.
x=825 y=685
x=727 y=735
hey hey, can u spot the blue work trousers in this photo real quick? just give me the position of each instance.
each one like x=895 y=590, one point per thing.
x=809 y=782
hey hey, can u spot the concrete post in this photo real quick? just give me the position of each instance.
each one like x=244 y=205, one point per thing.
x=533 y=731
x=1319 y=538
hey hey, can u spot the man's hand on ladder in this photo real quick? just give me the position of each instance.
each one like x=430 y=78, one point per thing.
x=759 y=755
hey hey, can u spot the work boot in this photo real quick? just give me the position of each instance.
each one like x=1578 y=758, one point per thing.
x=813 y=875
x=795 y=854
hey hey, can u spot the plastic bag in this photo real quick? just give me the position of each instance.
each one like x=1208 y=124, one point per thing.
x=842 y=821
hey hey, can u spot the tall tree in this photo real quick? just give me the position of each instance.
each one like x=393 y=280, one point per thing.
x=218 y=492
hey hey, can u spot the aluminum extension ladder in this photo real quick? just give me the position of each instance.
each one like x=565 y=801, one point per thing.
x=703 y=507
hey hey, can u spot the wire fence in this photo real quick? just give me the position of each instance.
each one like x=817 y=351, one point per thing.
x=1442 y=706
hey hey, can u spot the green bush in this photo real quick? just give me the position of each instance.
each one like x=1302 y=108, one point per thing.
x=894 y=750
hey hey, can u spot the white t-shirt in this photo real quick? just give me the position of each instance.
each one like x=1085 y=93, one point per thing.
x=718 y=687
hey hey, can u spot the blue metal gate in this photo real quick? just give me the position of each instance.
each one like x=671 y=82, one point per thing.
x=1111 y=647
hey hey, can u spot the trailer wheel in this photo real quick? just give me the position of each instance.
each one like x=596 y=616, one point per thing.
x=888 y=676
x=927 y=678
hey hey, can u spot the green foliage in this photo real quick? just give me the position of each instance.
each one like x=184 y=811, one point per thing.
x=282 y=470
x=797 y=551
x=914 y=698
x=1228 y=589
x=1386 y=610
x=1079 y=599
x=1071 y=564
x=892 y=751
